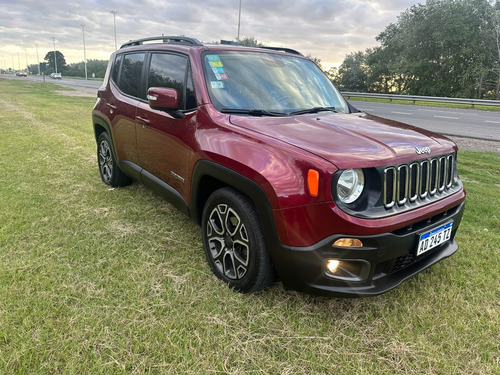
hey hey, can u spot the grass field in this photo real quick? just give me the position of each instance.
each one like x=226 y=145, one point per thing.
x=101 y=281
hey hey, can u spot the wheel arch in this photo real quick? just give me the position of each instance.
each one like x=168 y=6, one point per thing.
x=209 y=176
x=100 y=126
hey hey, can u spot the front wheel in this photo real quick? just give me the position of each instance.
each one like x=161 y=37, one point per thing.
x=234 y=243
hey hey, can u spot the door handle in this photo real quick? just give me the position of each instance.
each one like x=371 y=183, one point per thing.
x=111 y=106
x=143 y=121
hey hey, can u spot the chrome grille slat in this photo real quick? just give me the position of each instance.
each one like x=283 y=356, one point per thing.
x=403 y=183
x=414 y=182
x=389 y=187
x=434 y=176
x=450 y=175
x=425 y=175
x=418 y=180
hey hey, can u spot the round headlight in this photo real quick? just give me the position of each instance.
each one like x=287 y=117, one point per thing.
x=350 y=185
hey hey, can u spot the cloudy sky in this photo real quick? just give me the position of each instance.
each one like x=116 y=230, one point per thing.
x=326 y=29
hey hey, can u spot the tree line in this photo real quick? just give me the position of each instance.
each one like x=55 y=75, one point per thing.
x=447 y=48
x=95 y=68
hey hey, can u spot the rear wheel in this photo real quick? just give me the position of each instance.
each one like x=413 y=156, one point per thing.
x=110 y=173
x=234 y=243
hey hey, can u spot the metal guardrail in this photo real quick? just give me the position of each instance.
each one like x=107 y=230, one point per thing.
x=414 y=98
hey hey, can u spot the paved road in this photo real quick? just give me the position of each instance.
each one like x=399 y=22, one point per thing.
x=449 y=121
x=453 y=122
x=67 y=82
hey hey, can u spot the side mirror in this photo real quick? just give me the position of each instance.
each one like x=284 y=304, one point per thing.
x=164 y=99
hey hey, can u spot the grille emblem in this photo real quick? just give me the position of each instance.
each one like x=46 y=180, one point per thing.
x=422 y=150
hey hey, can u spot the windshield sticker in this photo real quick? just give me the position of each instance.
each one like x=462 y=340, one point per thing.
x=217 y=84
x=213 y=58
x=221 y=76
x=216 y=64
x=217 y=67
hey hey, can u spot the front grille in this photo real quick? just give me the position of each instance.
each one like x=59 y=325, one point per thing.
x=418 y=180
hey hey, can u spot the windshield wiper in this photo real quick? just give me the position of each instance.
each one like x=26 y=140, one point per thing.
x=253 y=112
x=313 y=110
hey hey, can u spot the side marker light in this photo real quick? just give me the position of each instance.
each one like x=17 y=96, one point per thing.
x=313 y=182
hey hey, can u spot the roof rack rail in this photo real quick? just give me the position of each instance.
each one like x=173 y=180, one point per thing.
x=164 y=39
x=229 y=42
x=284 y=49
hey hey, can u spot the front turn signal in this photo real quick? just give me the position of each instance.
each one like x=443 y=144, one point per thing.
x=313 y=182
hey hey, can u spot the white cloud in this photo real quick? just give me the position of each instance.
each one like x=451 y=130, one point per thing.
x=327 y=29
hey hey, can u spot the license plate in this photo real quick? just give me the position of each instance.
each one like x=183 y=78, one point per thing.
x=434 y=237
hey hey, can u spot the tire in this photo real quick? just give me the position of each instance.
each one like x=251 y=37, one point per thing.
x=109 y=170
x=234 y=243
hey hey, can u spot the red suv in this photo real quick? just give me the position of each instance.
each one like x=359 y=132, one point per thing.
x=284 y=176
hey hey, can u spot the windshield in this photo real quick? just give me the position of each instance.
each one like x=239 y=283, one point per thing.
x=266 y=83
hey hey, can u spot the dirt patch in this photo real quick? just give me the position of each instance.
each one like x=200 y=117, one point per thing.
x=81 y=91
x=11 y=107
x=473 y=144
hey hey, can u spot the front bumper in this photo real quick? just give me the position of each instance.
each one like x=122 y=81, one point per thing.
x=387 y=259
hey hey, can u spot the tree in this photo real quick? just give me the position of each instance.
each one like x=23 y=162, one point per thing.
x=333 y=74
x=439 y=48
x=33 y=68
x=94 y=67
x=250 y=42
x=353 y=73
x=495 y=51
x=378 y=73
x=61 y=62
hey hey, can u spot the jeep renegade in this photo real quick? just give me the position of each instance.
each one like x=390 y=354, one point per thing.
x=285 y=177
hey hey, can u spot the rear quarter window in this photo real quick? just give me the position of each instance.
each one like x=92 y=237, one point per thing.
x=116 y=68
x=130 y=75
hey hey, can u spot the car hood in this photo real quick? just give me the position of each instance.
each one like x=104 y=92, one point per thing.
x=351 y=140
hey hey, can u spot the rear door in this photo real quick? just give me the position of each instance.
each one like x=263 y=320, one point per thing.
x=165 y=143
x=122 y=104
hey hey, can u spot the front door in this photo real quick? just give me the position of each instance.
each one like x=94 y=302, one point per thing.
x=165 y=143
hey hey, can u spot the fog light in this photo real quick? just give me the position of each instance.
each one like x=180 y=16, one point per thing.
x=347 y=270
x=348 y=242
x=332 y=265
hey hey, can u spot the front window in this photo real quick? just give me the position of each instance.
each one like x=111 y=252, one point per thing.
x=173 y=71
x=274 y=83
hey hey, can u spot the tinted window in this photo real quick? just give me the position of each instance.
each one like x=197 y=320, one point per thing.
x=190 y=95
x=130 y=78
x=170 y=71
x=116 y=68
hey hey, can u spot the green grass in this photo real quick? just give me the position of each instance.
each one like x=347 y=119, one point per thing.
x=100 y=281
x=425 y=103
